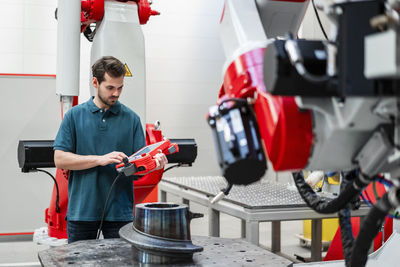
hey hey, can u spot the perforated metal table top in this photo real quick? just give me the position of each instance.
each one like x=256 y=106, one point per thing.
x=259 y=195
x=116 y=252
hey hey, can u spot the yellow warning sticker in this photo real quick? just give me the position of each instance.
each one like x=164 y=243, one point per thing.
x=128 y=71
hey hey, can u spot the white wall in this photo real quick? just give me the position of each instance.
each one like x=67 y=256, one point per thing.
x=28 y=36
x=28 y=111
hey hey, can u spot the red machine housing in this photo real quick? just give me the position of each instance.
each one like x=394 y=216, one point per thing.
x=285 y=130
x=93 y=11
x=147 y=185
x=56 y=223
x=145 y=11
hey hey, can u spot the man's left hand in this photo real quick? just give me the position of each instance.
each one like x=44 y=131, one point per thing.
x=161 y=160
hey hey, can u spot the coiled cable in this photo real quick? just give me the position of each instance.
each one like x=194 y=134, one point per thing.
x=369 y=229
x=326 y=206
x=346 y=228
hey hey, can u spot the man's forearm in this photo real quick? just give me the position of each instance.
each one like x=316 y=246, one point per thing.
x=71 y=161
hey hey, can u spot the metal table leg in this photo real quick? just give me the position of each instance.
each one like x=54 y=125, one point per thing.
x=213 y=222
x=316 y=239
x=185 y=201
x=163 y=196
x=242 y=228
x=252 y=232
x=276 y=236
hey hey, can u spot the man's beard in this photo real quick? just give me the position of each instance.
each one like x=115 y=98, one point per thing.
x=108 y=102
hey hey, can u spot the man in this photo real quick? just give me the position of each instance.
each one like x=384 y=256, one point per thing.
x=92 y=139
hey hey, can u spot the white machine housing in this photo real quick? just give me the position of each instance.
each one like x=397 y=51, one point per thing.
x=119 y=34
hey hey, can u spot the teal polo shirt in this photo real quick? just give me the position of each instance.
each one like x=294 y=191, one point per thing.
x=89 y=130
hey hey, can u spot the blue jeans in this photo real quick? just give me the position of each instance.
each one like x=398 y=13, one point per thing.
x=83 y=230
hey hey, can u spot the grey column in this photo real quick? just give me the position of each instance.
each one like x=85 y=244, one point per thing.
x=252 y=232
x=275 y=236
x=243 y=229
x=316 y=239
x=213 y=222
x=163 y=196
x=185 y=201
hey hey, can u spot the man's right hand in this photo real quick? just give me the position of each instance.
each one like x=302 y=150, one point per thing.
x=112 y=157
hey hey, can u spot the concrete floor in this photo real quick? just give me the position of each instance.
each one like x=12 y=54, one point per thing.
x=25 y=253
x=19 y=253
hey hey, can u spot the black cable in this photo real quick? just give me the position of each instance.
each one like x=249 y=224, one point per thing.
x=227 y=189
x=346 y=228
x=369 y=229
x=346 y=232
x=58 y=210
x=173 y=166
x=296 y=59
x=106 y=204
x=326 y=206
x=319 y=20
x=301 y=69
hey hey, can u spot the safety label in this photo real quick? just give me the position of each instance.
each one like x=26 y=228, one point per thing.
x=128 y=71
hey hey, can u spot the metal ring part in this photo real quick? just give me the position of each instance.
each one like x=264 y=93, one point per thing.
x=160 y=233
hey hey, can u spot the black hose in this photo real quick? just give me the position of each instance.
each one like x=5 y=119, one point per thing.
x=58 y=210
x=326 y=206
x=296 y=59
x=173 y=166
x=301 y=69
x=227 y=189
x=370 y=228
x=106 y=204
x=346 y=228
x=346 y=232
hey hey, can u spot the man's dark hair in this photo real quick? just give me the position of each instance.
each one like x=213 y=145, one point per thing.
x=109 y=65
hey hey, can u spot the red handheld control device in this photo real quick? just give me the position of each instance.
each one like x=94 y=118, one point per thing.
x=142 y=161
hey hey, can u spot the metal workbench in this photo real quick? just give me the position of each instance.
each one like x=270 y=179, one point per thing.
x=255 y=203
x=117 y=252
